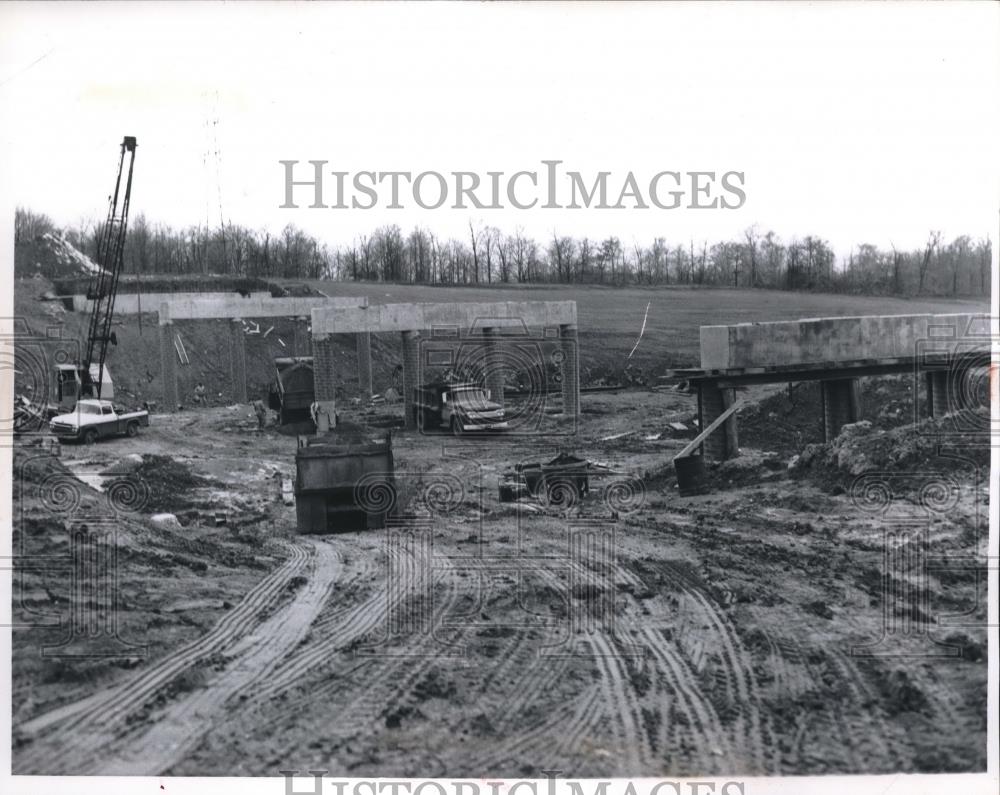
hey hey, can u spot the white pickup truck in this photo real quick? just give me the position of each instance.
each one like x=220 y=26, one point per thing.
x=94 y=419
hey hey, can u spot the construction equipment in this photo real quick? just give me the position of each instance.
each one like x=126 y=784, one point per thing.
x=89 y=377
x=343 y=481
x=292 y=392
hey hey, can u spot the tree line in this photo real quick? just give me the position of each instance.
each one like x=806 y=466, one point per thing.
x=488 y=255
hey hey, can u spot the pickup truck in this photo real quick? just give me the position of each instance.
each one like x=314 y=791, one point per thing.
x=461 y=408
x=94 y=419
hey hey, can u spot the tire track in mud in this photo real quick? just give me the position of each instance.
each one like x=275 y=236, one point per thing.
x=617 y=694
x=698 y=712
x=751 y=721
x=393 y=684
x=388 y=679
x=864 y=715
x=544 y=671
x=791 y=679
x=621 y=699
x=568 y=725
x=181 y=725
x=332 y=631
x=51 y=751
x=521 y=679
x=359 y=621
x=621 y=706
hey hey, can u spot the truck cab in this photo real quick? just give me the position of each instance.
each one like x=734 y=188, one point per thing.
x=458 y=407
x=70 y=386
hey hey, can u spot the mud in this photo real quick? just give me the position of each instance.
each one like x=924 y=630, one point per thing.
x=752 y=630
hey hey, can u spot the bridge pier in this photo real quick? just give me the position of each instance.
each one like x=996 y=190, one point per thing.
x=841 y=405
x=494 y=365
x=411 y=367
x=363 y=341
x=723 y=443
x=168 y=366
x=937 y=393
x=238 y=359
x=571 y=370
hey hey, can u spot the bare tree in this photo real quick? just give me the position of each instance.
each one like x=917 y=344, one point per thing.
x=752 y=236
x=933 y=240
x=28 y=225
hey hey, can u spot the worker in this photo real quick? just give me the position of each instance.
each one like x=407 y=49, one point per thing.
x=199 y=393
x=261 y=412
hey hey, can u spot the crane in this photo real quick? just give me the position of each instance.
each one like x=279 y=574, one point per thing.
x=89 y=377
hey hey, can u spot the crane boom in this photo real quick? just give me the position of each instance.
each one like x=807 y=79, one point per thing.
x=110 y=257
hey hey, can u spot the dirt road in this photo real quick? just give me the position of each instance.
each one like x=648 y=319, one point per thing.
x=637 y=635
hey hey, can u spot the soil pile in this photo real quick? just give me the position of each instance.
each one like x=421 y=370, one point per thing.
x=956 y=441
x=52 y=257
x=159 y=484
x=787 y=421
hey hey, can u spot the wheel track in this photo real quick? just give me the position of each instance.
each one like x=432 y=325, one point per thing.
x=621 y=705
x=180 y=726
x=392 y=678
x=582 y=714
x=698 y=711
x=362 y=619
x=331 y=633
x=739 y=671
x=105 y=710
x=869 y=721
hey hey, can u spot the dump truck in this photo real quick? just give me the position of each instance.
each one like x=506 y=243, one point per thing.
x=293 y=390
x=458 y=407
x=343 y=481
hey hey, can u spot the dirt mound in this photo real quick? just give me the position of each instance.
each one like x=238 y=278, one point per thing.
x=863 y=447
x=787 y=421
x=53 y=258
x=166 y=484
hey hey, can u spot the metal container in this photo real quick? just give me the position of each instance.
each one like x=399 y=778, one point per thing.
x=692 y=478
x=343 y=481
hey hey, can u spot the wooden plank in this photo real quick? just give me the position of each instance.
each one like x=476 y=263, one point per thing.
x=183 y=350
x=714 y=425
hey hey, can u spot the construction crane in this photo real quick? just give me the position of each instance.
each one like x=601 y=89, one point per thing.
x=89 y=377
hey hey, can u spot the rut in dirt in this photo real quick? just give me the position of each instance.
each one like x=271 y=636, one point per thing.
x=80 y=737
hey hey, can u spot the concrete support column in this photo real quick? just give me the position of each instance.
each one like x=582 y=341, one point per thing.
x=937 y=393
x=723 y=442
x=363 y=341
x=571 y=370
x=841 y=405
x=324 y=383
x=168 y=366
x=301 y=342
x=411 y=368
x=494 y=365
x=238 y=360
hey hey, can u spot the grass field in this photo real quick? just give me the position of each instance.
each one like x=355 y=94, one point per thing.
x=610 y=318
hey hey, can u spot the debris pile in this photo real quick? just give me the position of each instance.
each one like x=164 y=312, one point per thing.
x=862 y=447
x=165 y=484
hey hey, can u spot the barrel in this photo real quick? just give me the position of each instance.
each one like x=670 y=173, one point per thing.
x=691 y=476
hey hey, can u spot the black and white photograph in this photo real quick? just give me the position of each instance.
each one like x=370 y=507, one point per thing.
x=499 y=398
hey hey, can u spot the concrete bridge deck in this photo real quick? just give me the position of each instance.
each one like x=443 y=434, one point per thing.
x=942 y=350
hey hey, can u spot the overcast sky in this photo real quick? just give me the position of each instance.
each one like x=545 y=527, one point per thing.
x=855 y=123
